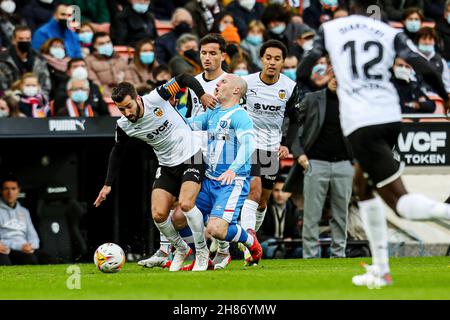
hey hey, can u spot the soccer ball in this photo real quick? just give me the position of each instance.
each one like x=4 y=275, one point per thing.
x=109 y=258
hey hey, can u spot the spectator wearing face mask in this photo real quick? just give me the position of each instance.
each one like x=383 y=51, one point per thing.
x=188 y=58
x=203 y=13
x=9 y=18
x=412 y=98
x=314 y=79
x=239 y=66
x=245 y=11
x=412 y=22
x=9 y=108
x=279 y=26
x=134 y=23
x=320 y=11
x=57 y=27
x=303 y=42
x=32 y=102
x=20 y=58
x=106 y=68
x=252 y=43
x=161 y=74
x=443 y=29
x=38 y=12
x=290 y=67
x=96 y=12
x=77 y=70
x=222 y=21
x=54 y=54
x=77 y=104
x=166 y=45
x=426 y=42
x=139 y=72
x=85 y=36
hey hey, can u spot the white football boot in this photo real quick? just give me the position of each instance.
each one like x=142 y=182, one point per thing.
x=221 y=260
x=159 y=259
x=201 y=260
x=178 y=258
x=372 y=279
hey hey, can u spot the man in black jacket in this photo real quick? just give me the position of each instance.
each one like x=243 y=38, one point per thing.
x=134 y=23
x=325 y=155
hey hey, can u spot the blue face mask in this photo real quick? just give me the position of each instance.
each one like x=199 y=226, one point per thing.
x=141 y=7
x=320 y=69
x=291 y=73
x=86 y=37
x=427 y=49
x=279 y=29
x=106 y=49
x=413 y=25
x=255 y=39
x=79 y=96
x=58 y=53
x=240 y=73
x=147 y=57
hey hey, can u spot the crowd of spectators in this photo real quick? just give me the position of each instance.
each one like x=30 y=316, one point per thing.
x=48 y=45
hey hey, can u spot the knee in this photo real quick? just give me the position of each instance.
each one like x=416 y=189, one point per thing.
x=187 y=205
x=159 y=215
x=216 y=230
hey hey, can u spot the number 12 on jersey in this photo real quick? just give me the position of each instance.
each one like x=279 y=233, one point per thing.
x=356 y=65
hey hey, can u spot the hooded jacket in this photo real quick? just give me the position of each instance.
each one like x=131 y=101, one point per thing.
x=16 y=227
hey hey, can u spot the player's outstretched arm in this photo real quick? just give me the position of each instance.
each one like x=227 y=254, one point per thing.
x=115 y=158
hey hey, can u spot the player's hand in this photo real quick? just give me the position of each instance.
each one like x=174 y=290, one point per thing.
x=283 y=153
x=3 y=248
x=208 y=101
x=303 y=161
x=102 y=195
x=173 y=101
x=27 y=248
x=227 y=177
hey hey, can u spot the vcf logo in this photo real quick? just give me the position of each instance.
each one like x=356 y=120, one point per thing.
x=422 y=141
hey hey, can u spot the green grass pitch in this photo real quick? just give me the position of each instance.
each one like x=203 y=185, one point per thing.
x=414 y=278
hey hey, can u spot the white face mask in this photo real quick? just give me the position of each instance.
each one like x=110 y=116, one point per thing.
x=247 y=4
x=58 y=53
x=402 y=73
x=8 y=6
x=308 y=45
x=79 y=73
x=209 y=3
x=30 y=91
x=4 y=114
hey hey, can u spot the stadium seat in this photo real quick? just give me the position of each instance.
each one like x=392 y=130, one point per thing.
x=163 y=27
x=59 y=218
x=125 y=52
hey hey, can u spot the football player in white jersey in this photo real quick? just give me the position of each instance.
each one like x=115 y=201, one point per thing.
x=271 y=96
x=153 y=120
x=362 y=51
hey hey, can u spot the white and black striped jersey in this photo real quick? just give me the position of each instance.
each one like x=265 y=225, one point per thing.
x=267 y=105
x=362 y=51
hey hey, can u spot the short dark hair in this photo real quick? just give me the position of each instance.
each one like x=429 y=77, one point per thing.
x=214 y=38
x=20 y=29
x=159 y=69
x=9 y=177
x=411 y=10
x=273 y=44
x=99 y=35
x=122 y=90
x=72 y=61
x=275 y=12
x=426 y=32
x=281 y=178
x=59 y=6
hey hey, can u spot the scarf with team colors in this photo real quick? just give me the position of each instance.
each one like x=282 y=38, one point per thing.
x=73 y=111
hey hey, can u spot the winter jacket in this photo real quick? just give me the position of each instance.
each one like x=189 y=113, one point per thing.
x=16 y=227
x=38 y=13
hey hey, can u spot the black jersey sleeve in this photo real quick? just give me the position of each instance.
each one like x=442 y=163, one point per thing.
x=307 y=63
x=116 y=155
x=407 y=51
x=173 y=86
x=292 y=112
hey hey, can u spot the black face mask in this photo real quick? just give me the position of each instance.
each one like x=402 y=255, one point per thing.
x=232 y=50
x=182 y=28
x=62 y=23
x=193 y=55
x=24 y=46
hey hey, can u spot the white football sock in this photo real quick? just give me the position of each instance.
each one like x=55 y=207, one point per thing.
x=164 y=244
x=375 y=226
x=260 y=218
x=248 y=214
x=419 y=207
x=167 y=229
x=195 y=221
x=224 y=246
